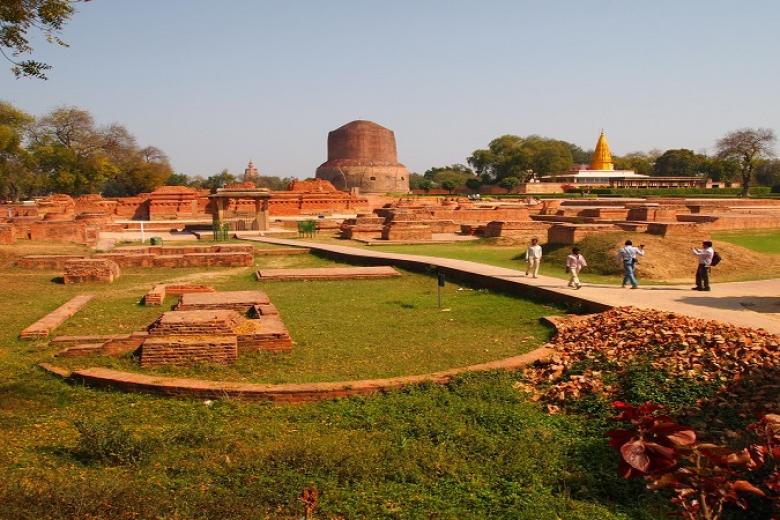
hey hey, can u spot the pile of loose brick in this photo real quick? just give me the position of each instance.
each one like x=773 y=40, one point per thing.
x=228 y=255
x=91 y=270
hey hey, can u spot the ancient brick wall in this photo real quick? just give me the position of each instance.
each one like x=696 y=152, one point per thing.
x=188 y=350
x=91 y=270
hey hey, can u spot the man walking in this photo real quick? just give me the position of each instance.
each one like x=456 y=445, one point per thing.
x=574 y=264
x=533 y=257
x=628 y=254
x=704 y=255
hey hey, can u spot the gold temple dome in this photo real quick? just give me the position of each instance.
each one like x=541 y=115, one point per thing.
x=602 y=157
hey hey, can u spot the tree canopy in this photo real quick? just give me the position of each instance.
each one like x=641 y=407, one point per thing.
x=520 y=157
x=18 y=18
x=65 y=151
x=747 y=147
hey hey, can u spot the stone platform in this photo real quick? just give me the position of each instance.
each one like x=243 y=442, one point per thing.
x=240 y=301
x=157 y=294
x=328 y=273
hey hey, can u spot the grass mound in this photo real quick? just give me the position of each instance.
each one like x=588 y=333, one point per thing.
x=667 y=259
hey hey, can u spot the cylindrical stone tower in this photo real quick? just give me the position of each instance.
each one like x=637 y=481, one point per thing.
x=362 y=154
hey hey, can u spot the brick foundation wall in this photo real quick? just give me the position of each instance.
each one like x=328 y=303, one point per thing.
x=91 y=270
x=187 y=350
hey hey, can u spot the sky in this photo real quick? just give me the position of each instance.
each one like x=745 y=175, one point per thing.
x=215 y=84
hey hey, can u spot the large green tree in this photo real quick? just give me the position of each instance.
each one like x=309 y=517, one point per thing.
x=17 y=177
x=747 y=147
x=680 y=162
x=75 y=155
x=18 y=18
x=640 y=162
x=768 y=173
x=450 y=177
x=520 y=157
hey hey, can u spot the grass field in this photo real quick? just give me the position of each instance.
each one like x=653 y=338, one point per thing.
x=473 y=449
x=763 y=241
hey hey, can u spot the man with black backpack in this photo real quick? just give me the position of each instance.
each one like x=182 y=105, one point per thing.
x=707 y=258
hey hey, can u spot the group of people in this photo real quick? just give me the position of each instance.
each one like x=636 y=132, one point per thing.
x=628 y=256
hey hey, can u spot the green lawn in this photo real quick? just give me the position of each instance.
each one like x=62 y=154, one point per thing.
x=474 y=449
x=487 y=253
x=763 y=241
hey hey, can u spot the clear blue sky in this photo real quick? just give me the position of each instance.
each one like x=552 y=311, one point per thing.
x=215 y=83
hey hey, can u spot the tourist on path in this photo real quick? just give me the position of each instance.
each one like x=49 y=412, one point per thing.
x=628 y=254
x=533 y=257
x=704 y=255
x=574 y=264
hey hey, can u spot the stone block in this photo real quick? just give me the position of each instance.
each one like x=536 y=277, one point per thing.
x=91 y=270
x=188 y=350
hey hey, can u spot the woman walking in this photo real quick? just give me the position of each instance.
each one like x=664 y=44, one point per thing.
x=574 y=264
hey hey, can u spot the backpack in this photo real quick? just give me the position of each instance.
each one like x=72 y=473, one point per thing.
x=715 y=259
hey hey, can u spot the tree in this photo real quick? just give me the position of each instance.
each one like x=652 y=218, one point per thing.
x=178 y=179
x=17 y=178
x=747 y=146
x=219 y=180
x=415 y=179
x=474 y=184
x=273 y=183
x=679 y=163
x=76 y=156
x=455 y=175
x=509 y=183
x=450 y=185
x=427 y=185
x=768 y=173
x=722 y=170
x=519 y=157
x=18 y=18
x=639 y=162
x=578 y=155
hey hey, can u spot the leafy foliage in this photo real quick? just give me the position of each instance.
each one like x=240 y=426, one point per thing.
x=519 y=157
x=747 y=147
x=18 y=18
x=704 y=478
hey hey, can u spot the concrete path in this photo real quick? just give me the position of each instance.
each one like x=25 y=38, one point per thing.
x=748 y=304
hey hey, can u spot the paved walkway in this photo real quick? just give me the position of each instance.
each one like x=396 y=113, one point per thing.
x=748 y=304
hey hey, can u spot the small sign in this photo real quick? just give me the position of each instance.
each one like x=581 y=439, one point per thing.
x=440 y=275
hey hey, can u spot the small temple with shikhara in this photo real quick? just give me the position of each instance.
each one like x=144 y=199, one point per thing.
x=250 y=173
x=602 y=172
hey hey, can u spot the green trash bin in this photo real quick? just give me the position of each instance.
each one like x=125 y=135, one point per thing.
x=156 y=241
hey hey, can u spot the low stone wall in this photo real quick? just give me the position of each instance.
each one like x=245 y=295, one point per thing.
x=406 y=231
x=91 y=270
x=734 y=221
x=196 y=322
x=327 y=273
x=666 y=229
x=282 y=393
x=157 y=294
x=523 y=229
x=188 y=350
x=43 y=327
x=7 y=235
x=567 y=234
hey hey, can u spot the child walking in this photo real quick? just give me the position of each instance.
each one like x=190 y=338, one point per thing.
x=574 y=264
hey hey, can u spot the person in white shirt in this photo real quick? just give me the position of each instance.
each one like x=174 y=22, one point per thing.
x=627 y=255
x=533 y=257
x=704 y=255
x=574 y=264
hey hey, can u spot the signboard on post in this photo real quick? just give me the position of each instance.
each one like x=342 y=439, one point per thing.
x=439 y=285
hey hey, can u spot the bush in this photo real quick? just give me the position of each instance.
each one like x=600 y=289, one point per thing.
x=108 y=442
x=775 y=188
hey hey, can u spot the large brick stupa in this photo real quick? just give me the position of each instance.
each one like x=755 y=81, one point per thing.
x=362 y=154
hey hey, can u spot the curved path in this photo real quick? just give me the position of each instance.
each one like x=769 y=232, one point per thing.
x=748 y=304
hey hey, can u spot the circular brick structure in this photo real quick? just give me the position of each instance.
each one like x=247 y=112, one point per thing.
x=362 y=154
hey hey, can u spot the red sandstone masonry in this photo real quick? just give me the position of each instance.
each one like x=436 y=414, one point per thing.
x=327 y=273
x=157 y=294
x=91 y=270
x=43 y=327
x=241 y=301
x=286 y=393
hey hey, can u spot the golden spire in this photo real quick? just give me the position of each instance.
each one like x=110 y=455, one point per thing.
x=602 y=158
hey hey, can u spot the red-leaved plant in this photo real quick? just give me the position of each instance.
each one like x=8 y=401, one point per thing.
x=703 y=477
